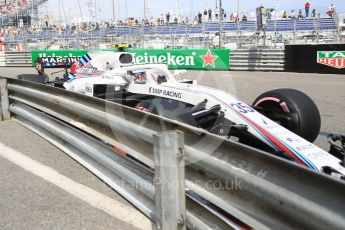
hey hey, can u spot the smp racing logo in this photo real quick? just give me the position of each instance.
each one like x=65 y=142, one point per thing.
x=335 y=59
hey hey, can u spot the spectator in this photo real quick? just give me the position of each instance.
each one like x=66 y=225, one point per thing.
x=216 y=13
x=195 y=22
x=331 y=10
x=269 y=15
x=205 y=15
x=236 y=17
x=307 y=8
x=2 y=43
x=293 y=14
x=232 y=17
x=200 y=18
x=162 y=19
x=313 y=13
x=210 y=14
x=167 y=17
x=300 y=14
x=12 y=7
x=244 y=18
x=284 y=16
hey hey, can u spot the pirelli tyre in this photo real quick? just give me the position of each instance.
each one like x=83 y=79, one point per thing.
x=32 y=78
x=292 y=109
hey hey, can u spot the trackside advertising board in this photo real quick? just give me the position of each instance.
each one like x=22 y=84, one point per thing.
x=57 y=58
x=335 y=59
x=321 y=58
x=201 y=59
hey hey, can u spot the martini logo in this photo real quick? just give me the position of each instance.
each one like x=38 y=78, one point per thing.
x=59 y=60
x=56 y=58
x=335 y=59
x=209 y=59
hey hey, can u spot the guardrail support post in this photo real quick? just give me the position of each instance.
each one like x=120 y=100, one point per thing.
x=4 y=102
x=170 y=181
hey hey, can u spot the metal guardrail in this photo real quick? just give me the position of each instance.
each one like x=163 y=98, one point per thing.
x=258 y=59
x=260 y=190
x=15 y=59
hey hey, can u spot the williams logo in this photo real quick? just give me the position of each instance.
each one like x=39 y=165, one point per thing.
x=335 y=59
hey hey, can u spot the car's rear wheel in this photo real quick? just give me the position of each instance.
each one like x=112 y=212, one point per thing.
x=292 y=109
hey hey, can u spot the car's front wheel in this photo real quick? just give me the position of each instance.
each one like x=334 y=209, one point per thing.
x=292 y=109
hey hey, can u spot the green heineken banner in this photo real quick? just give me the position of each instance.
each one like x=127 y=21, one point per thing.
x=206 y=59
x=57 y=58
x=335 y=59
x=203 y=59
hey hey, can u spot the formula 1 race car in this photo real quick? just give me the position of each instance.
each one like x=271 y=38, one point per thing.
x=283 y=122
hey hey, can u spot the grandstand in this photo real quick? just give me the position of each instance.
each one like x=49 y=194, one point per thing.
x=234 y=34
x=279 y=31
x=19 y=12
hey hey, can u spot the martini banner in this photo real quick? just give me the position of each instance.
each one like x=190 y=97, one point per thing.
x=57 y=58
x=198 y=59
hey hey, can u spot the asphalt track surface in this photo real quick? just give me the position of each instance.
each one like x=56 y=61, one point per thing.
x=32 y=201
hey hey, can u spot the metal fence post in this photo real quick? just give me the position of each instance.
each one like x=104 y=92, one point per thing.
x=4 y=102
x=170 y=181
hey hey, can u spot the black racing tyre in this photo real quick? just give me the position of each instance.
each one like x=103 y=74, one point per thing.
x=32 y=78
x=292 y=109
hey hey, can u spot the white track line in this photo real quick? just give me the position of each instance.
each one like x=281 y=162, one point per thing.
x=95 y=199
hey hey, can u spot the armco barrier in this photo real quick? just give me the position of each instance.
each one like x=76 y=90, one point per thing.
x=2 y=59
x=270 y=193
x=258 y=59
x=325 y=58
x=15 y=59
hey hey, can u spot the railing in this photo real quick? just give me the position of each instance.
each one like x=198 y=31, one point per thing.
x=337 y=22
x=258 y=59
x=15 y=59
x=284 y=31
x=227 y=183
